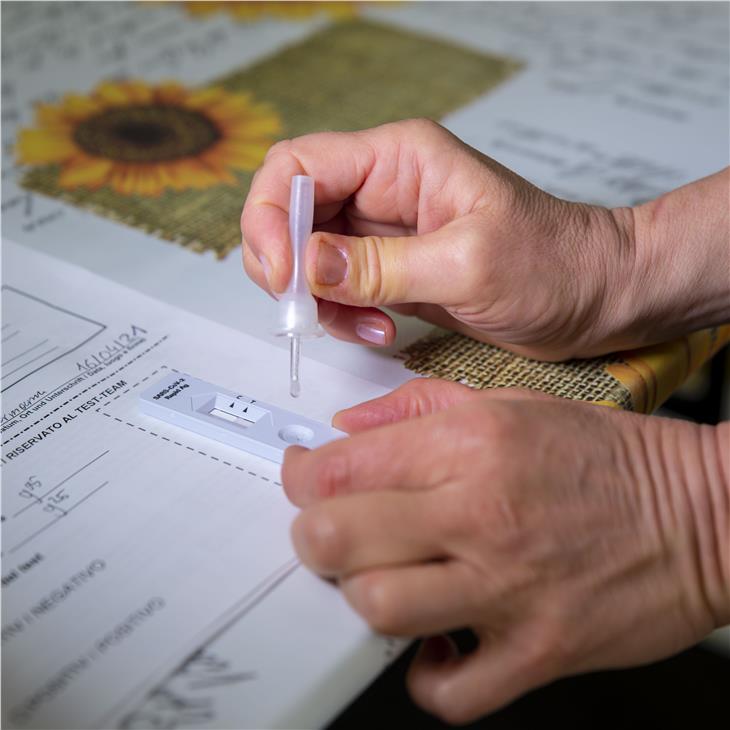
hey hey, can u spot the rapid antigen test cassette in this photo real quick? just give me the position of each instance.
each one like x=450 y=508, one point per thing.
x=237 y=420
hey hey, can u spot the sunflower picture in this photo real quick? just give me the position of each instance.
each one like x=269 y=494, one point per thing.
x=176 y=162
x=139 y=139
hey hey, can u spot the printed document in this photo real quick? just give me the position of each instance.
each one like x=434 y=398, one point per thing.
x=126 y=542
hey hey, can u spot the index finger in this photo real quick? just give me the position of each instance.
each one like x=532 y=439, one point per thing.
x=362 y=169
x=337 y=161
x=408 y=455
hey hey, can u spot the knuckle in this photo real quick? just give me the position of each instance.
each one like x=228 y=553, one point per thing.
x=376 y=602
x=283 y=146
x=501 y=426
x=469 y=257
x=424 y=128
x=318 y=539
x=450 y=709
x=332 y=476
x=417 y=395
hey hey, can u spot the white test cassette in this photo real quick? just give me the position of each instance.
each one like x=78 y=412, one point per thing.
x=231 y=418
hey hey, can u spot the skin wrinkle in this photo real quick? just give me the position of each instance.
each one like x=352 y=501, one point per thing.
x=540 y=328
x=577 y=223
x=695 y=514
x=369 y=284
x=688 y=555
x=426 y=198
x=701 y=505
x=365 y=174
x=584 y=224
x=416 y=183
x=716 y=566
x=719 y=456
x=637 y=467
x=401 y=179
x=623 y=223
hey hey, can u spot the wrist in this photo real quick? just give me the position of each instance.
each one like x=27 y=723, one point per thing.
x=691 y=471
x=676 y=259
x=607 y=266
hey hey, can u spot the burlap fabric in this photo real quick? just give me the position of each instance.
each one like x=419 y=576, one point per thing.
x=639 y=380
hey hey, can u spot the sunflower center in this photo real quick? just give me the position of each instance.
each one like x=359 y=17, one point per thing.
x=146 y=133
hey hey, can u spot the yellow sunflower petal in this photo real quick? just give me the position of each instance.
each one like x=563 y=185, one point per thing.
x=121 y=180
x=113 y=93
x=116 y=176
x=165 y=175
x=141 y=180
x=239 y=99
x=84 y=171
x=342 y=10
x=149 y=181
x=202 y=8
x=294 y=9
x=170 y=92
x=195 y=174
x=246 y=10
x=205 y=98
x=50 y=115
x=131 y=182
x=77 y=107
x=138 y=92
x=183 y=173
x=251 y=128
x=218 y=165
x=307 y=8
x=44 y=146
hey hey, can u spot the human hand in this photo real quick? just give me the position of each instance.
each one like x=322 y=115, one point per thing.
x=410 y=217
x=568 y=537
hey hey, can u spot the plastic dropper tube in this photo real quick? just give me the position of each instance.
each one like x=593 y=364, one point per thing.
x=297 y=314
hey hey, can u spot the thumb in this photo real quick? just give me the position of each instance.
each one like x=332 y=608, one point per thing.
x=418 y=397
x=382 y=270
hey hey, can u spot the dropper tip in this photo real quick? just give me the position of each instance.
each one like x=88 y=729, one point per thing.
x=294 y=385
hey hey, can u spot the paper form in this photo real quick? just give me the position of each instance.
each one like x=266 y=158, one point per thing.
x=126 y=542
x=36 y=333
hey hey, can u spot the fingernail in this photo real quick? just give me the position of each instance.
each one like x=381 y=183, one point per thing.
x=370 y=332
x=331 y=265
